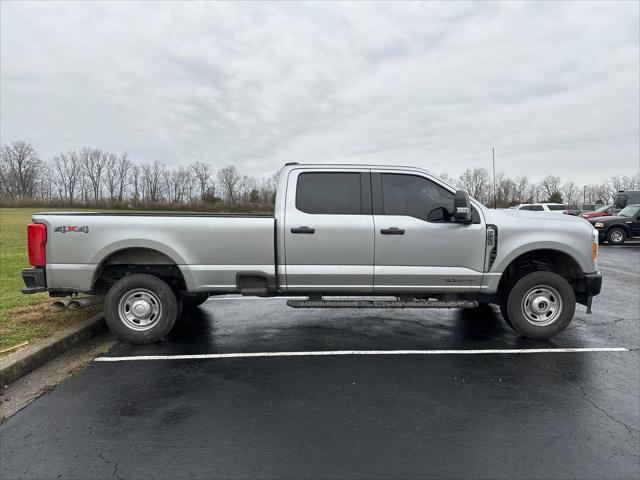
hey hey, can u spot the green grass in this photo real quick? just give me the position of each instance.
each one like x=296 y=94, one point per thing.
x=24 y=317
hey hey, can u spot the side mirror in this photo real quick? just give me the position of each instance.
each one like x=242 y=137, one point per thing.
x=439 y=215
x=462 y=207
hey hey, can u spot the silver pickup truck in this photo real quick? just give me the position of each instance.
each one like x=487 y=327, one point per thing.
x=366 y=236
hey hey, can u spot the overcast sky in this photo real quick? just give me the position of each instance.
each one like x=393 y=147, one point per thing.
x=553 y=87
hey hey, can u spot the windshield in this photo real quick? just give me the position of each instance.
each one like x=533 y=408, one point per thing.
x=603 y=208
x=557 y=207
x=629 y=211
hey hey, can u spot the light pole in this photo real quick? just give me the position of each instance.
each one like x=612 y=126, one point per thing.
x=584 y=195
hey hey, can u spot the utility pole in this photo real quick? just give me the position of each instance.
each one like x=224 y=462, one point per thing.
x=493 y=156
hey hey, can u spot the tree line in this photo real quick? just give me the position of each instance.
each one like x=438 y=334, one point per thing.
x=91 y=177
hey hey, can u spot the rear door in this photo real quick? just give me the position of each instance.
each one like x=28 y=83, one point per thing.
x=328 y=231
x=417 y=245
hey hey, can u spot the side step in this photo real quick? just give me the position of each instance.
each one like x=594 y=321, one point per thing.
x=380 y=304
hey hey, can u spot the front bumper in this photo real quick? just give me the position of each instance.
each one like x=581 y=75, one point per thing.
x=34 y=279
x=587 y=288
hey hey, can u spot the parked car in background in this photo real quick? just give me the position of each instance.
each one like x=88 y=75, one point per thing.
x=542 y=207
x=626 y=197
x=603 y=211
x=618 y=228
x=581 y=209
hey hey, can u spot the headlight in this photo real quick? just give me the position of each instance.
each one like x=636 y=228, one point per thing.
x=599 y=225
x=594 y=248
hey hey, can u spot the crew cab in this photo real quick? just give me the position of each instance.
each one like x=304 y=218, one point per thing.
x=362 y=232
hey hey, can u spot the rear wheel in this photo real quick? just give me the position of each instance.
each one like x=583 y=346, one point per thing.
x=141 y=308
x=616 y=236
x=540 y=304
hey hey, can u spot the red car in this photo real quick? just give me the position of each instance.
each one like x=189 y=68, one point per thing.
x=604 y=211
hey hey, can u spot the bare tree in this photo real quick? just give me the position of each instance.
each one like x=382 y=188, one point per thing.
x=551 y=185
x=94 y=162
x=122 y=174
x=476 y=182
x=20 y=170
x=152 y=174
x=176 y=183
x=135 y=181
x=623 y=182
x=202 y=172
x=522 y=188
x=111 y=174
x=268 y=186
x=229 y=179
x=571 y=193
x=597 y=193
x=68 y=170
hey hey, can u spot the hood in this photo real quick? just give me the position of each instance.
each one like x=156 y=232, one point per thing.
x=607 y=218
x=594 y=214
x=528 y=215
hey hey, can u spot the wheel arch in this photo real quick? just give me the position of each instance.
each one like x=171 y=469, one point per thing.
x=138 y=259
x=558 y=261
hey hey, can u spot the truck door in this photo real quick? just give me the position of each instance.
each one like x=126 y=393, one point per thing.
x=417 y=245
x=328 y=231
x=635 y=223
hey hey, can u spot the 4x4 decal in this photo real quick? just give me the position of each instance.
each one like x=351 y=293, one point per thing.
x=72 y=228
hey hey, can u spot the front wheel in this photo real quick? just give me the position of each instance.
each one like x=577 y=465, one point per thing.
x=141 y=308
x=616 y=236
x=540 y=304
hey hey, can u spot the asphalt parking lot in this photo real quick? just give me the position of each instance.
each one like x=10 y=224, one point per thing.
x=488 y=415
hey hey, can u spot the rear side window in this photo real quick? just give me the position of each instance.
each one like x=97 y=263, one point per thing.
x=535 y=208
x=329 y=193
x=556 y=207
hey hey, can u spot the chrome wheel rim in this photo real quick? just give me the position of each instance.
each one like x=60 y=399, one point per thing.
x=541 y=305
x=616 y=236
x=140 y=309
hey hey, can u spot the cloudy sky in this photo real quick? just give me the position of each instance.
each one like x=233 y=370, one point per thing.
x=554 y=87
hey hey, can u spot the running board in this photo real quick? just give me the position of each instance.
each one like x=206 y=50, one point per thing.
x=380 y=304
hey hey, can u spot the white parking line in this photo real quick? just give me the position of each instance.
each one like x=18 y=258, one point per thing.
x=507 y=351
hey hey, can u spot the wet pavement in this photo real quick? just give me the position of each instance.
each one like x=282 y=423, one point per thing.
x=540 y=415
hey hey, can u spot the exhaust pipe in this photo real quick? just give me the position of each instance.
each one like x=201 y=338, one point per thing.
x=84 y=302
x=60 y=305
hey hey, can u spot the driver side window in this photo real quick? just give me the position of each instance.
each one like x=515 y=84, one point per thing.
x=415 y=196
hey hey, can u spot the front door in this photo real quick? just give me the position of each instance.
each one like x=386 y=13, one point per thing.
x=634 y=222
x=328 y=231
x=418 y=246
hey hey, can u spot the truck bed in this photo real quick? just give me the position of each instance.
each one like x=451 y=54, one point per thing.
x=209 y=249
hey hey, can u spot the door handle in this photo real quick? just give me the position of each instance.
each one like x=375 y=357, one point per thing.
x=303 y=230
x=392 y=231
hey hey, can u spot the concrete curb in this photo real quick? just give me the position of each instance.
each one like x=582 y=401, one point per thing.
x=23 y=361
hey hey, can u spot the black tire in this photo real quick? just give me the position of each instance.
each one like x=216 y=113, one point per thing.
x=616 y=236
x=193 y=300
x=505 y=314
x=528 y=298
x=157 y=304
